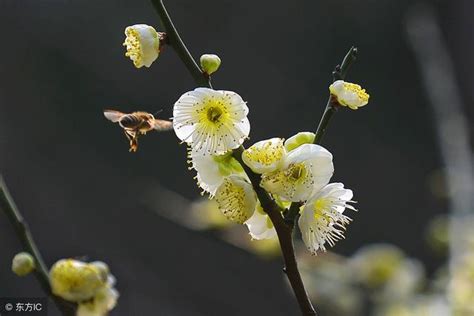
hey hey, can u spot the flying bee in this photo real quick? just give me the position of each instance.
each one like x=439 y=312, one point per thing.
x=137 y=123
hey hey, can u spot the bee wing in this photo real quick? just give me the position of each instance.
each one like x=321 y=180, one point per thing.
x=162 y=125
x=113 y=115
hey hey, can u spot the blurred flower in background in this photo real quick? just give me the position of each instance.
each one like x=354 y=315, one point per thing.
x=204 y=214
x=461 y=284
x=437 y=234
x=386 y=272
x=330 y=284
x=421 y=305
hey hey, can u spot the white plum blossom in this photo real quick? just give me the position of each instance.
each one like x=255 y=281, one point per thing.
x=349 y=94
x=143 y=44
x=236 y=199
x=260 y=226
x=212 y=169
x=265 y=156
x=305 y=170
x=322 y=220
x=210 y=121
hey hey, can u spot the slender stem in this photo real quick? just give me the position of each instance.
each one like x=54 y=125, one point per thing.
x=284 y=233
x=178 y=45
x=339 y=73
x=331 y=108
x=22 y=230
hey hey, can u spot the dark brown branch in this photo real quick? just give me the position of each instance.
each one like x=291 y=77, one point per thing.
x=284 y=233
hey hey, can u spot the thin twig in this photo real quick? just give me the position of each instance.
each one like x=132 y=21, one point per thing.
x=180 y=48
x=339 y=73
x=22 y=230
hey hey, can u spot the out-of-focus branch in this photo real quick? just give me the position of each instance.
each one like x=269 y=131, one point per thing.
x=22 y=230
x=439 y=80
x=178 y=45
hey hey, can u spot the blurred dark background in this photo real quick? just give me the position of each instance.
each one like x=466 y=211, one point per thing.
x=70 y=172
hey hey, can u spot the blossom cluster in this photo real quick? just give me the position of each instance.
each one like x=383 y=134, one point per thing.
x=214 y=123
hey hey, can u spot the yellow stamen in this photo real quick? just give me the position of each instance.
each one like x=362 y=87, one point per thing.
x=321 y=208
x=352 y=87
x=132 y=42
x=213 y=114
x=296 y=172
x=266 y=155
x=231 y=201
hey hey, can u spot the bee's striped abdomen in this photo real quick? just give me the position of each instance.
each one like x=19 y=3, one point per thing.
x=130 y=121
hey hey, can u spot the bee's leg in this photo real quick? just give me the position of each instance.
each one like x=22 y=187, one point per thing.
x=132 y=137
x=134 y=143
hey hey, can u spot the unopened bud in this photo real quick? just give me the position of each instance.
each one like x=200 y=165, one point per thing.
x=299 y=139
x=23 y=263
x=210 y=63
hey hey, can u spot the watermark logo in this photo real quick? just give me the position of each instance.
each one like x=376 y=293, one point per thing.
x=23 y=306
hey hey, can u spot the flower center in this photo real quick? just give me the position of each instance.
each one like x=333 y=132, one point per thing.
x=214 y=114
x=296 y=172
x=320 y=210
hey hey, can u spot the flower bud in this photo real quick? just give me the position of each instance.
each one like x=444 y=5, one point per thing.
x=349 y=94
x=75 y=280
x=23 y=263
x=143 y=44
x=299 y=139
x=210 y=63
